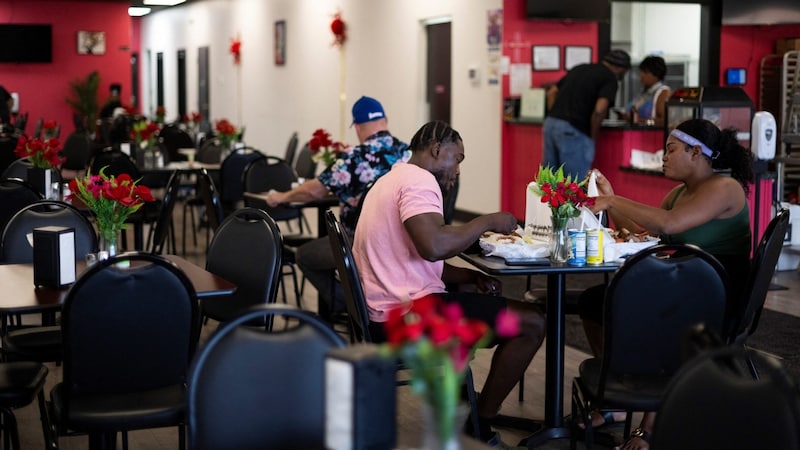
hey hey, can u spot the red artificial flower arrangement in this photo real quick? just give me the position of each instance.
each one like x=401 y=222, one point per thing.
x=145 y=131
x=236 y=50
x=339 y=30
x=42 y=153
x=323 y=148
x=111 y=199
x=436 y=341
x=564 y=195
x=226 y=132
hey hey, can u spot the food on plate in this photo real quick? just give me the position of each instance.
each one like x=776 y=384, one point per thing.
x=625 y=235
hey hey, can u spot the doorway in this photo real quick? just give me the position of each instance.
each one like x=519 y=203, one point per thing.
x=135 y=80
x=182 y=83
x=438 y=83
x=159 y=79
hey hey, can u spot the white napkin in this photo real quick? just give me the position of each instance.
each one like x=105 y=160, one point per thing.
x=591 y=189
x=513 y=247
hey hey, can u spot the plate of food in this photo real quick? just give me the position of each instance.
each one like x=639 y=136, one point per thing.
x=515 y=247
x=627 y=243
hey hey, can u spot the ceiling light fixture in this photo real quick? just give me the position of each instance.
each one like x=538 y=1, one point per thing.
x=138 y=11
x=163 y=2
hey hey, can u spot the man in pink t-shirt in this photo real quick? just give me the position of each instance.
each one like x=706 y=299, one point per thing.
x=401 y=244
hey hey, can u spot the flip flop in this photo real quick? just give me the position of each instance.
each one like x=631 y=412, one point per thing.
x=608 y=420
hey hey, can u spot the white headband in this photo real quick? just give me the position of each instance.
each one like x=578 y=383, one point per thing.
x=690 y=140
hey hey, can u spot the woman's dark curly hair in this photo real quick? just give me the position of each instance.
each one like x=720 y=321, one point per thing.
x=433 y=133
x=731 y=154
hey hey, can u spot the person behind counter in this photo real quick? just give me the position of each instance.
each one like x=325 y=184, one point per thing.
x=576 y=107
x=707 y=209
x=649 y=107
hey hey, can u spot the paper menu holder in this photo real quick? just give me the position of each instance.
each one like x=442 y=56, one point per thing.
x=360 y=399
x=537 y=215
x=53 y=256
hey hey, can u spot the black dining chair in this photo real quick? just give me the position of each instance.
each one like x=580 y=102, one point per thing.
x=207 y=197
x=129 y=336
x=163 y=229
x=252 y=388
x=230 y=177
x=304 y=166
x=651 y=303
x=15 y=194
x=713 y=402
x=245 y=250
x=20 y=384
x=291 y=149
x=762 y=268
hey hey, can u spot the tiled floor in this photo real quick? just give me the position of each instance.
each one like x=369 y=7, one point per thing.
x=409 y=422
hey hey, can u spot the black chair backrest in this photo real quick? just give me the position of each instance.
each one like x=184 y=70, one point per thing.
x=305 y=167
x=129 y=329
x=17 y=169
x=652 y=301
x=117 y=163
x=354 y=298
x=267 y=173
x=37 y=130
x=230 y=176
x=245 y=250
x=15 y=246
x=77 y=151
x=8 y=142
x=15 y=194
x=174 y=139
x=210 y=152
x=291 y=149
x=161 y=227
x=207 y=191
x=242 y=381
x=729 y=408
x=762 y=269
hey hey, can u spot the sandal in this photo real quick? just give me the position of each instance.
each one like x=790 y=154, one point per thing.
x=608 y=419
x=638 y=437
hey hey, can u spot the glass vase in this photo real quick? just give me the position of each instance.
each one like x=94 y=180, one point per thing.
x=559 y=240
x=441 y=428
x=109 y=243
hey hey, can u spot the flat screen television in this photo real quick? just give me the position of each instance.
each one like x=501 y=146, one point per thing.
x=26 y=43
x=578 y=10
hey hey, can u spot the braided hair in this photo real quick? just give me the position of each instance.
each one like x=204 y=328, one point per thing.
x=436 y=132
x=731 y=154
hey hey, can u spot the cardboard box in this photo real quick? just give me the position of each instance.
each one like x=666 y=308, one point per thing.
x=784 y=45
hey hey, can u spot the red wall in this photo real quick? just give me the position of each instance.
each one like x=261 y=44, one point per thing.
x=522 y=144
x=745 y=46
x=43 y=87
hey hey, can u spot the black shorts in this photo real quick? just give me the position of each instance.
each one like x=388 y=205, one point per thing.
x=475 y=306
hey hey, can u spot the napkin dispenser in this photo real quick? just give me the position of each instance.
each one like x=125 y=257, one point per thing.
x=360 y=399
x=53 y=256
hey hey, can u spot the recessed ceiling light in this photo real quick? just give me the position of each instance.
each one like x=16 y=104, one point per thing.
x=138 y=11
x=163 y=2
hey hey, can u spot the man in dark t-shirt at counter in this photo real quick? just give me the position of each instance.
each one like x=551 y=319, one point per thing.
x=576 y=106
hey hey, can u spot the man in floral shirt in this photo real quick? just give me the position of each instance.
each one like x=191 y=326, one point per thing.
x=348 y=177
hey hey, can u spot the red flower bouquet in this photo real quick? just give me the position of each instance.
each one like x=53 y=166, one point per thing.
x=323 y=148
x=226 y=132
x=564 y=195
x=42 y=153
x=111 y=199
x=436 y=342
x=145 y=132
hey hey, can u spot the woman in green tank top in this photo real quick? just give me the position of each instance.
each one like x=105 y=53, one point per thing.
x=708 y=209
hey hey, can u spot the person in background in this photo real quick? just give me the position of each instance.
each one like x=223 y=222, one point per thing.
x=6 y=103
x=649 y=107
x=576 y=106
x=348 y=178
x=707 y=209
x=113 y=102
x=401 y=244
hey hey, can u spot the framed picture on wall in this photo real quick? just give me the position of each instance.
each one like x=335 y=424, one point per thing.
x=280 y=42
x=546 y=57
x=91 y=42
x=576 y=54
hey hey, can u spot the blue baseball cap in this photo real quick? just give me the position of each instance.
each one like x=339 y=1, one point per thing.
x=367 y=109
